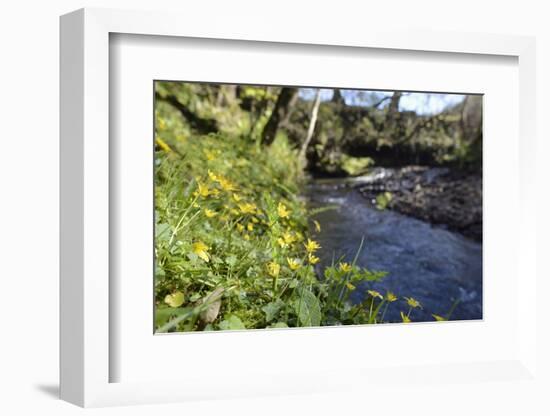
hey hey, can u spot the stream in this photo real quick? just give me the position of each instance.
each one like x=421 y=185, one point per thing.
x=429 y=263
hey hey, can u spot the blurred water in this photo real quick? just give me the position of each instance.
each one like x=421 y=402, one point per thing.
x=429 y=263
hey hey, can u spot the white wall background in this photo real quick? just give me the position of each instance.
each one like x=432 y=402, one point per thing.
x=29 y=116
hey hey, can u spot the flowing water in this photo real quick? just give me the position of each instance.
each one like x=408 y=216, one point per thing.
x=433 y=265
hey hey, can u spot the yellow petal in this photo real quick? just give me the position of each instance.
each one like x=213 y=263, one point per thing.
x=201 y=250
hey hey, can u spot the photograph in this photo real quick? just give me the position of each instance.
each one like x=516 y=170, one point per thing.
x=299 y=206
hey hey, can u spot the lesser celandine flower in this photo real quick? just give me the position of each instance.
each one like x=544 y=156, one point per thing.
x=405 y=318
x=312 y=246
x=209 y=154
x=390 y=297
x=163 y=145
x=375 y=294
x=240 y=227
x=213 y=176
x=202 y=190
x=201 y=250
x=161 y=124
x=288 y=237
x=294 y=264
x=345 y=267
x=413 y=303
x=273 y=269
x=226 y=184
x=209 y=213
x=312 y=259
x=282 y=210
x=250 y=226
x=247 y=208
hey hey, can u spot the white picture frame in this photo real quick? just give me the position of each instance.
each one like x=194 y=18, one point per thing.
x=86 y=353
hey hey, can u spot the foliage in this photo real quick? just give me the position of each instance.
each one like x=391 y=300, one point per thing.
x=383 y=200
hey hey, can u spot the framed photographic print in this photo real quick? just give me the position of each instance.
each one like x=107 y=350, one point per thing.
x=269 y=208
x=281 y=207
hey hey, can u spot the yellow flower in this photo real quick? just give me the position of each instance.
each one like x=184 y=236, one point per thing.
x=163 y=145
x=282 y=210
x=312 y=246
x=312 y=259
x=226 y=184
x=240 y=227
x=345 y=267
x=214 y=192
x=247 y=208
x=209 y=213
x=282 y=242
x=317 y=226
x=413 y=303
x=213 y=176
x=350 y=286
x=236 y=197
x=294 y=264
x=247 y=237
x=273 y=269
x=390 y=297
x=161 y=123
x=375 y=294
x=438 y=318
x=209 y=154
x=250 y=226
x=201 y=250
x=289 y=238
x=202 y=190
x=405 y=318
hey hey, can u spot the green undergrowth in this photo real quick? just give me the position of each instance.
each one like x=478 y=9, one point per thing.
x=235 y=247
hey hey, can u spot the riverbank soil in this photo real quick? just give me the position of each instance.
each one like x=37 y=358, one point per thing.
x=452 y=199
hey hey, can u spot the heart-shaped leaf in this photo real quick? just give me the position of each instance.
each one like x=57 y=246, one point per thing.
x=175 y=300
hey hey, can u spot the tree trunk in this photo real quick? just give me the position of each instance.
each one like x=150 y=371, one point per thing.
x=282 y=107
x=313 y=120
x=337 y=97
x=392 y=124
x=394 y=104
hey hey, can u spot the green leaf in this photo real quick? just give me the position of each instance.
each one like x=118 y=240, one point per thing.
x=231 y=322
x=159 y=273
x=272 y=309
x=307 y=308
x=231 y=260
x=162 y=315
x=162 y=231
x=175 y=300
x=383 y=200
x=278 y=325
